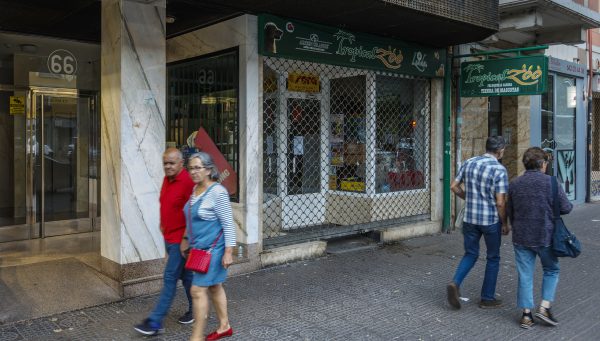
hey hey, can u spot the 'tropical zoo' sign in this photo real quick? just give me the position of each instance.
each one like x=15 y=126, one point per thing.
x=526 y=75
x=299 y=40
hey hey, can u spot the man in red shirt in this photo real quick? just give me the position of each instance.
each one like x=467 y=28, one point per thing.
x=175 y=192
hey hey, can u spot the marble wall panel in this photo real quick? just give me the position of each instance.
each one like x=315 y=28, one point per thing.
x=133 y=129
x=474 y=127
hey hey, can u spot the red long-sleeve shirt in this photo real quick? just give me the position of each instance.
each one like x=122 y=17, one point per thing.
x=173 y=196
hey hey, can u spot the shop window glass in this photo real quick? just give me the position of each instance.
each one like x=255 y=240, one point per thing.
x=402 y=116
x=347 y=135
x=203 y=93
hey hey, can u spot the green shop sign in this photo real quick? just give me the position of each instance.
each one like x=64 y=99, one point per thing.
x=294 y=39
x=525 y=75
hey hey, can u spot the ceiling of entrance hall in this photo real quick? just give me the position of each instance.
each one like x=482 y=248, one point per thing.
x=80 y=19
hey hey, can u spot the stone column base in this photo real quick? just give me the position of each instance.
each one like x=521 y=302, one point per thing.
x=134 y=279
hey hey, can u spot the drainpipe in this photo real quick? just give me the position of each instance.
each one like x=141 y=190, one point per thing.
x=458 y=133
x=588 y=170
x=447 y=142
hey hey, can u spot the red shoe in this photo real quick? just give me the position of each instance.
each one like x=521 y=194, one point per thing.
x=216 y=335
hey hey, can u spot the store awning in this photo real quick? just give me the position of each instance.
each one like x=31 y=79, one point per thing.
x=535 y=22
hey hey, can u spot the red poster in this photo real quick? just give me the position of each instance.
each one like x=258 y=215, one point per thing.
x=228 y=176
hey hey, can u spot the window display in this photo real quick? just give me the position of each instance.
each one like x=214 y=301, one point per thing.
x=348 y=134
x=401 y=134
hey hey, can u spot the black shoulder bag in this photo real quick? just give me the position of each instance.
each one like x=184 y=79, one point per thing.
x=564 y=243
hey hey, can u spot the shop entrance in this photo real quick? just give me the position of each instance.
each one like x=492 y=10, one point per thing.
x=558 y=130
x=304 y=155
x=55 y=166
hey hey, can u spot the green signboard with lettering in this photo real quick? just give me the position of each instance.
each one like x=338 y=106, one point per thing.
x=294 y=39
x=526 y=75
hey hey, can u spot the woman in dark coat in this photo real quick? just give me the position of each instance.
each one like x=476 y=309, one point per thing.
x=530 y=210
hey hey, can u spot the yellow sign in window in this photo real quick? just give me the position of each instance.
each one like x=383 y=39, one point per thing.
x=17 y=105
x=303 y=82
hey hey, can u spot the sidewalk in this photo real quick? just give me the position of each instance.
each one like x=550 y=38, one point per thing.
x=396 y=292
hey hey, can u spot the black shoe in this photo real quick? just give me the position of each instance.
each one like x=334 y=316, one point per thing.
x=527 y=321
x=490 y=304
x=149 y=328
x=453 y=295
x=187 y=318
x=545 y=315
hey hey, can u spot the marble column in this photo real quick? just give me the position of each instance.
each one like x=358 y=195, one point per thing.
x=133 y=139
x=516 y=127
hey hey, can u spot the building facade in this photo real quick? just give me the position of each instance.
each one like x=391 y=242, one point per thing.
x=326 y=126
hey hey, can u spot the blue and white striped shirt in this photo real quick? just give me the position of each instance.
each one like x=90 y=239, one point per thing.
x=216 y=205
x=483 y=177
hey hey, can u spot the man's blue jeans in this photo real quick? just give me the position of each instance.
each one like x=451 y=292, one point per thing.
x=472 y=234
x=525 y=259
x=174 y=270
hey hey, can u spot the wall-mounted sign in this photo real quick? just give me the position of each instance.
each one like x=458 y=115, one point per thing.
x=568 y=68
x=17 y=105
x=62 y=62
x=504 y=77
x=303 y=82
x=294 y=39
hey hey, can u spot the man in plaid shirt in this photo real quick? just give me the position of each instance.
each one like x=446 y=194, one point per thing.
x=485 y=186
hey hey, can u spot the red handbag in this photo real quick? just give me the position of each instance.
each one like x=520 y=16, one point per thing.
x=199 y=260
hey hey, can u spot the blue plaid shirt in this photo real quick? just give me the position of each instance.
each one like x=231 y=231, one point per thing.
x=483 y=177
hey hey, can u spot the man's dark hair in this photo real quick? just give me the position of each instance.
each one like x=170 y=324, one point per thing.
x=534 y=158
x=494 y=144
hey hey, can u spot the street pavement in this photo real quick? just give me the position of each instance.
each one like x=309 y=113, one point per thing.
x=394 y=292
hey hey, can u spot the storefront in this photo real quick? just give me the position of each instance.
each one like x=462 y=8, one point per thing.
x=49 y=125
x=534 y=100
x=346 y=130
x=343 y=127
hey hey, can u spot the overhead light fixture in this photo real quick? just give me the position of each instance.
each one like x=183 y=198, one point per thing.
x=28 y=48
x=170 y=19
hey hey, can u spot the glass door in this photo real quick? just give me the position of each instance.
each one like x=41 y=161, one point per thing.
x=59 y=162
x=564 y=130
x=558 y=130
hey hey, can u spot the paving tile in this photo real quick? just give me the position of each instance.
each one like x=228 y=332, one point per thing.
x=396 y=292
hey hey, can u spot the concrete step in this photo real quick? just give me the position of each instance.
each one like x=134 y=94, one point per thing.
x=350 y=244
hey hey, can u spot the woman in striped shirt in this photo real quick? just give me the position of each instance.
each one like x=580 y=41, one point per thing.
x=209 y=219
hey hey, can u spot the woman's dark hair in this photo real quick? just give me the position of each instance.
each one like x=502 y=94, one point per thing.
x=534 y=158
x=207 y=161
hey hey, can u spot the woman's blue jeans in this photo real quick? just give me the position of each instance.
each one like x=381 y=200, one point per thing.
x=174 y=270
x=492 y=236
x=525 y=259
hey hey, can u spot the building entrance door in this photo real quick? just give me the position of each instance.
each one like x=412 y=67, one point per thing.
x=61 y=148
x=56 y=139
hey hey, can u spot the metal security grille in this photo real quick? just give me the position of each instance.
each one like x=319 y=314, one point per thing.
x=482 y=13
x=595 y=161
x=345 y=150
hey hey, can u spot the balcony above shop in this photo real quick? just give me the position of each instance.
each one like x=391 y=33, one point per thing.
x=436 y=23
x=536 y=22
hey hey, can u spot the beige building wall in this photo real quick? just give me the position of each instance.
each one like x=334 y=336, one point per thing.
x=515 y=128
